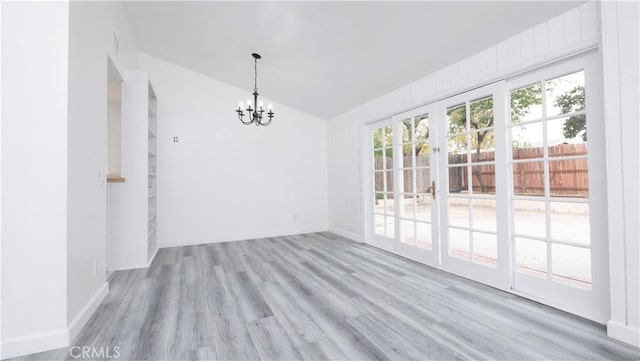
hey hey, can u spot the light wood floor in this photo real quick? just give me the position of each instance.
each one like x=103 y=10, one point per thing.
x=321 y=297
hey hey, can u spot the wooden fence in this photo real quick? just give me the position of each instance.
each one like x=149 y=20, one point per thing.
x=568 y=177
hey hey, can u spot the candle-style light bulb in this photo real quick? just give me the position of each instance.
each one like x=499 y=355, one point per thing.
x=270 y=106
x=248 y=103
x=239 y=105
x=261 y=105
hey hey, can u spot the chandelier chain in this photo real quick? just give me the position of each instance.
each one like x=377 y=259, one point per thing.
x=255 y=83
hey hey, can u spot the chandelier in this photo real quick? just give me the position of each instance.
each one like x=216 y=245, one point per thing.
x=255 y=113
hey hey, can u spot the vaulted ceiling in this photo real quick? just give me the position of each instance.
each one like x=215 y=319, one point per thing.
x=324 y=58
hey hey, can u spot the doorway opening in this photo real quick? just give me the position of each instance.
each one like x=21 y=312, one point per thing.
x=114 y=141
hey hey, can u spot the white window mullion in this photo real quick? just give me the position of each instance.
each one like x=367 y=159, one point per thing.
x=503 y=182
x=398 y=180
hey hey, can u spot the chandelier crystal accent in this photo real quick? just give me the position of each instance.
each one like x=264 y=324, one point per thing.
x=256 y=113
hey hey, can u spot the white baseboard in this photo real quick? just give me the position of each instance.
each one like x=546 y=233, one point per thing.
x=352 y=236
x=239 y=237
x=624 y=333
x=87 y=311
x=40 y=342
x=138 y=266
x=153 y=257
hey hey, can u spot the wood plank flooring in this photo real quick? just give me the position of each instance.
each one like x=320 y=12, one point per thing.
x=321 y=297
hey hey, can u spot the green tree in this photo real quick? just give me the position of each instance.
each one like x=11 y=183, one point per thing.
x=421 y=133
x=573 y=101
x=481 y=118
x=382 y=137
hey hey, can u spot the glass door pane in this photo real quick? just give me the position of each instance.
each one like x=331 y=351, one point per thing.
x=471 y=168
x=382 y=176
x=416 y=178
x=551 y=187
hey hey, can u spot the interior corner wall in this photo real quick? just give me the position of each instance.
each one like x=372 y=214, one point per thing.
x=620 y=51
x=34 y=176
x=223 y=180
x=91 y=28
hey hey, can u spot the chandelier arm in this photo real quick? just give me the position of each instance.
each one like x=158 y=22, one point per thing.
x=266 y=122
x=241 y=116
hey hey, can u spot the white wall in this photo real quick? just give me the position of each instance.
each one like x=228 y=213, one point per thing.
x=114 y=136
x=620 y=45
x=90 y=41
x=227 y=181
x=34 y=176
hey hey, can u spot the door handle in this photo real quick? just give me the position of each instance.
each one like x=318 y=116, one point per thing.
x=432 y=189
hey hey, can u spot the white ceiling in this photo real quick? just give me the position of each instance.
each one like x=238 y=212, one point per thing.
x=324 y=58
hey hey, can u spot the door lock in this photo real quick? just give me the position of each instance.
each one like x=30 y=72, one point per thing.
x=432 y=189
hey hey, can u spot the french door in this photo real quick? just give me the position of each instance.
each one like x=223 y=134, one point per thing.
x=557 y=194
x=405 y=216
x=500 y=185
x=472 y=198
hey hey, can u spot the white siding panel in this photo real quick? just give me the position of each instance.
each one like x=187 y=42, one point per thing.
x=541 y=39
x=455 y=74
x=492 y=59
x=502 y=52
x=589 y=20
x=481 y=64
x=513 y=47
x=556 y=33
x=526 y=45
x=571 y=25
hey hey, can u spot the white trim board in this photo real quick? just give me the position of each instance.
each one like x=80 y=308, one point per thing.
x=76 y=325
x=242 y=237
x=346 y=234
x=138 y=267
x=39 y=342
x=624 y=333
